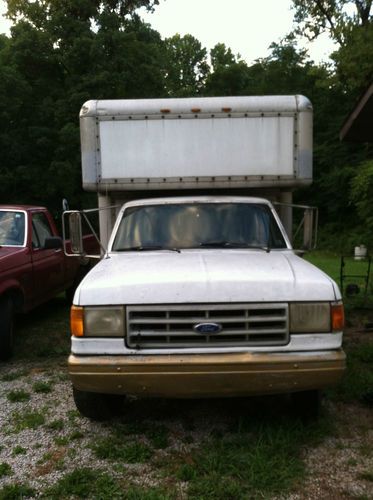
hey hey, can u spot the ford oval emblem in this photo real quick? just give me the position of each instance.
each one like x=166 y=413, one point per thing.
x=208 y=328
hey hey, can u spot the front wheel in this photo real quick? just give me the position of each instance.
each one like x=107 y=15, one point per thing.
x=97 y=406
x=6 y=328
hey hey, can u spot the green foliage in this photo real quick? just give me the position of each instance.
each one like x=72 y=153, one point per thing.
x=5 y=469
x=361 y=196
x=353 y=60
x=19 y=450
x=61 y=54
x=9 y=377
x=113 y=448
x=56 y=425
x=186 y=66
x=335 y=17
x=18 y=396
x=42 y=387
x=27 y=420
x=16 y=491
x=85 y=483
x=158 y=436
x=93 y=484
x=258 y=461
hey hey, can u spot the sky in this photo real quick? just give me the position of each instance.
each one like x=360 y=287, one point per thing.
x=248 y=27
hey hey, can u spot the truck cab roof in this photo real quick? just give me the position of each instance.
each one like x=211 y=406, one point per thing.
x=26 y=208
x=197 y=199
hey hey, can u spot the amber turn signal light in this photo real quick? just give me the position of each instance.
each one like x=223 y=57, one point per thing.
x=338 y=317
x=76 y=321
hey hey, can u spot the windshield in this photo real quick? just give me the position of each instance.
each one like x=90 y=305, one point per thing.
x=12 y=228
x=196 y=225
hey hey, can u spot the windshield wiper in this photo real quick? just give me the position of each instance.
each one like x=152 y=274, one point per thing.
x=232 y=244
x=143 y=248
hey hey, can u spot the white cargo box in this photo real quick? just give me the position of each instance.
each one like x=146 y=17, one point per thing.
x=192 y=143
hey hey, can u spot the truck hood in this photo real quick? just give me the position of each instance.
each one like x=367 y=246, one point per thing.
x=200 y=276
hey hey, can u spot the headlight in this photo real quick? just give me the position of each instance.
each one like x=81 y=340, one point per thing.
x=104 y=321
x=310 y=317
x=97 y=321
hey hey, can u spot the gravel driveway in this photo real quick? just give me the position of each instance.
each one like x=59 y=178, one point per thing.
x=43 y=438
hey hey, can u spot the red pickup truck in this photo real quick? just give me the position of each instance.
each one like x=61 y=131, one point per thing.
x=33 y=266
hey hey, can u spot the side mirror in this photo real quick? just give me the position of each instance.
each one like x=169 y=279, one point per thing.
x=53 y=243
x=76 y=234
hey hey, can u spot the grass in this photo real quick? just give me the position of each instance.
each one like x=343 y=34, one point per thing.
x=331 y=264
x=5 y=469
x=258 y=461
x=84 y=483
x=158 y=436
x=113 y=448
x=27 y=420
x=56 y=425
x=41 y=387
x=367 y=476
x=94 y=484
x=18 y=396
x=356 y=272
x=19 y=450
x=16 y=491
x=11 y=376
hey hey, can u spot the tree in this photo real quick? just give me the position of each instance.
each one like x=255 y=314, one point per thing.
x=186 y=66
x=350 y=25
x=60 y=54
x=336 y=17
x=229 y=75
x=222 y=57
x=361 y=196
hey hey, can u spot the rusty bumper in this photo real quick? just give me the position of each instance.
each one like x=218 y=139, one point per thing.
x=208 y=375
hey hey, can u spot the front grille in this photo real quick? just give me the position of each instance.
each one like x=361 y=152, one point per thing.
x=157 y=327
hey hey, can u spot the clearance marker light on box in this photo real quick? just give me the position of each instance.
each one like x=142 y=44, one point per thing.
x=76 y=321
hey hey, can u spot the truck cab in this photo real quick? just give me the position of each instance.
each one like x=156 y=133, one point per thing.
x=203 y=297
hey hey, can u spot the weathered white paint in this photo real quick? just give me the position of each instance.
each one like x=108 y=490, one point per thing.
x=200 y=143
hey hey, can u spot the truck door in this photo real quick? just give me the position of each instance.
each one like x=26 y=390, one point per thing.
x=48 y=264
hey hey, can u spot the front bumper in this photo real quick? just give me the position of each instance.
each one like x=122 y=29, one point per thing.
x=207 y=375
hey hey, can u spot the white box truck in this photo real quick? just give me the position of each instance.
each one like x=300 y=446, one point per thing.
x=199 y=292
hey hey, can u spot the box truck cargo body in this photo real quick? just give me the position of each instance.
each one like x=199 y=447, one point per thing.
x=199 y=292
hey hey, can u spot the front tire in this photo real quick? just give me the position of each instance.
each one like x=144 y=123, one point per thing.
x=97 y=406
x=6 y=328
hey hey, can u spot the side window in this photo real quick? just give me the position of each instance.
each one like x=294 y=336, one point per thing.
x=40 y=230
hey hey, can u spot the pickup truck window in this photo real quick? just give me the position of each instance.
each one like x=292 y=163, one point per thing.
x=40 y=230
x=12 y=228
x=198 y=225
